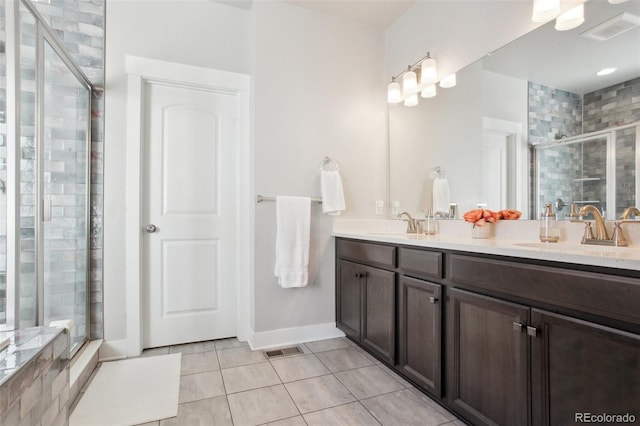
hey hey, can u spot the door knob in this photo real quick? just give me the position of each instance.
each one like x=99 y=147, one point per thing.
x=150 y=228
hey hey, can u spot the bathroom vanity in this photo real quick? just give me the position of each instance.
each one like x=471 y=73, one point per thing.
x=498 y=333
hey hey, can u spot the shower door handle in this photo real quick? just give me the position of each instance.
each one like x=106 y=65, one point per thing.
x=46 y=209
x=151 y=228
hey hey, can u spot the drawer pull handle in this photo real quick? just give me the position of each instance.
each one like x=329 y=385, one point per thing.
x=517 y=327
x=532 y=331
x=361 y=274
x=433 y=300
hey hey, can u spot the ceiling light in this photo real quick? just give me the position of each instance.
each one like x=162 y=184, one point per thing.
x=616 y=1
x=571 y=19
x=428 y=71
x=448 y=81
x=544 y=10
x=394 y=94
x=606 y=71
x=411 y=100
x=429 y=91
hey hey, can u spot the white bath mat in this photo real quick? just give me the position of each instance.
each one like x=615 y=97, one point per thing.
x=130 y=392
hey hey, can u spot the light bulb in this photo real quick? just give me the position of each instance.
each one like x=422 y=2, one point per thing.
x=394 y=94
x=429 y=91
x=428 y=71
x=409 y=83
x=543 y=10
x=411 y=100
x=448 y=81
x=570 y=19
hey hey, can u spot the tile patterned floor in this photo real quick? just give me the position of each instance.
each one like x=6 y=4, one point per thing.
x=333 y=382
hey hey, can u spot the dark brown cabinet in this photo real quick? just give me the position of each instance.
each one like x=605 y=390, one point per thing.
x=378 y=309
x=365 y=307
x=579 y=367
x=419 y=316
x=498 y=340
x=348 y=298
x=488 y=359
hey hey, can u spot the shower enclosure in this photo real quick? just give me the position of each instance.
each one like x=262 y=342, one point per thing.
x=598 y=168
x=44 y=165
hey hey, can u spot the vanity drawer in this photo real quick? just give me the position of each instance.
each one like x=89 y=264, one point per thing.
x=420 y=263
x=605 y=295
x=375 y=254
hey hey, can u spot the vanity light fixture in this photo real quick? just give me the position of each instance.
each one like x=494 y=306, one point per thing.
x=428 y=70
x=411 y=101
x=394 y=92
x=571 y=19
x=544 y=10
x=606 y=71
x=429 y=91
x=616 y=1
x=448 y=81
x=409 y=82
x=420 y=77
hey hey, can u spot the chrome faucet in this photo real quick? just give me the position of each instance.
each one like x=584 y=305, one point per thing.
x=413 y=225
x=601 y=229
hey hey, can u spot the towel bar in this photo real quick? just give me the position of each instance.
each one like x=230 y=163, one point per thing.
x=260 y=198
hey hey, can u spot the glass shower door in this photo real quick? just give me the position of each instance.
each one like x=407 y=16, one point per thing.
x=65 y=195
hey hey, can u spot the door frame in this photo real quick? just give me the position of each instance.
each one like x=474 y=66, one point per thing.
x=139 y=70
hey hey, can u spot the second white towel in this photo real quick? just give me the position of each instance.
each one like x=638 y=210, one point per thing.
x=331 y=192
x=293 y=217
x=440 y=195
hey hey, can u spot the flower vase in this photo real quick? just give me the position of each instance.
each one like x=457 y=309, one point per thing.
x=483 y=231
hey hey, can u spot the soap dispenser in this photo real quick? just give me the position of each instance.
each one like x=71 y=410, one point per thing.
x=549 y=231
x=430 y=224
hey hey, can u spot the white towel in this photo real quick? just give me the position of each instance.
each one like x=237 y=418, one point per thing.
x=440 y=195
x=331 y=192
x=293 y=217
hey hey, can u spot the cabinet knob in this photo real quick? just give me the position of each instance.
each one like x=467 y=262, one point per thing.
x=517 y=327
x=532 y=331
x=433 y=299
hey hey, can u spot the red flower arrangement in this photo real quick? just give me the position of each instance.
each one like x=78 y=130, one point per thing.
x=481 y=216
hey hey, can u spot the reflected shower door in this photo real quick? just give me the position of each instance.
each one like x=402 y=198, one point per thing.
x=66 y=112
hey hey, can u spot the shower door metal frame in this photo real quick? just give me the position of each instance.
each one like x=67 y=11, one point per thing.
x=43 y=34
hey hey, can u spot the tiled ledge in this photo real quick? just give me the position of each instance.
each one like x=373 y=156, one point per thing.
x=34 y=377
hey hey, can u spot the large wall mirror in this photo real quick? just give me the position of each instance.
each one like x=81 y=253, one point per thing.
x=531 y=124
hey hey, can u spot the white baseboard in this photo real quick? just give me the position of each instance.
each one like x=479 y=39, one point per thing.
x=112 y=350
x=292 y=336
x=117 y=349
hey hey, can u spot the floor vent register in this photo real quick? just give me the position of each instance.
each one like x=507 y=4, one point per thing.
x=279 y=353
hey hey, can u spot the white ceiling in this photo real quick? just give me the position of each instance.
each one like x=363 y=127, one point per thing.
x=378 y=13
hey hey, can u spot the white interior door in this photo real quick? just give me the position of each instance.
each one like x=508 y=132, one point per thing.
x=494 y=170
x=190 y=137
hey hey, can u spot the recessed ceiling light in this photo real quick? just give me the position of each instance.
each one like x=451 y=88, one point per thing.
x=606 y=71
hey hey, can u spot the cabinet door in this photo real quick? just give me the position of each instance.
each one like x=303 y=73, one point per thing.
x=378 y=319
x=487 y=358
x=348 y=300
x=420 y=318
x=580 y=367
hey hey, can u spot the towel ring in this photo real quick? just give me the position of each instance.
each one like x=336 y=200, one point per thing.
x=328 y=164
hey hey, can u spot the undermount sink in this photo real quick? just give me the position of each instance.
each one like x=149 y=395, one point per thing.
x=573 y=247
x=409 y=235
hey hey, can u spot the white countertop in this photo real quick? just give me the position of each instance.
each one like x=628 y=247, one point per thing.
x=522 y=245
